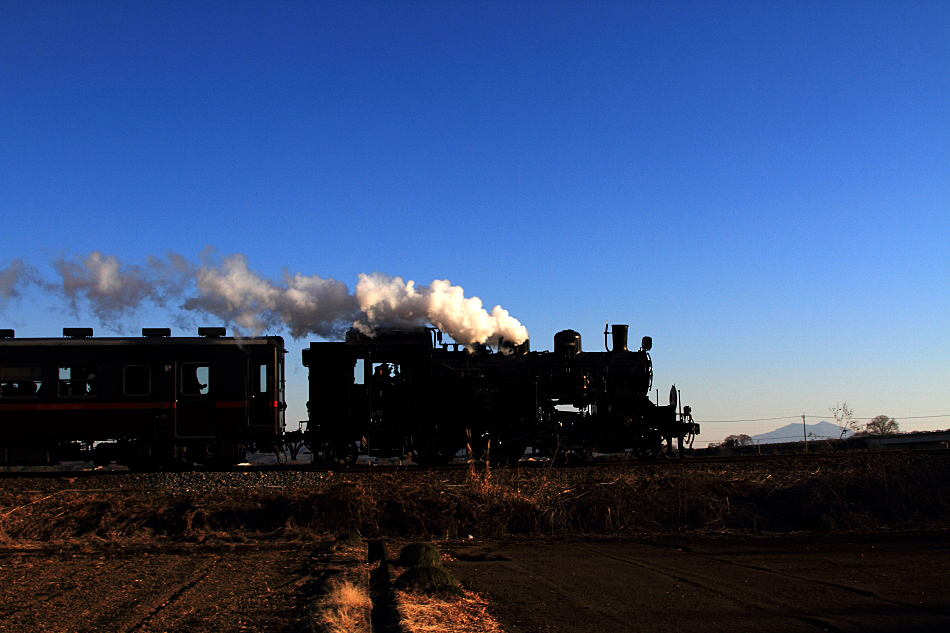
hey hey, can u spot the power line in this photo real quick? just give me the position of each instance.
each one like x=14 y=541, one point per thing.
x=898 y=418
x=786 y=417
x=811 y=415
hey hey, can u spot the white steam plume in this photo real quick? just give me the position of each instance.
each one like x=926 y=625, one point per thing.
x=384 y=299
x=234 y=293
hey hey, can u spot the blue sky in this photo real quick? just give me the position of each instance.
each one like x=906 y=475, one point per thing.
x=761 y=187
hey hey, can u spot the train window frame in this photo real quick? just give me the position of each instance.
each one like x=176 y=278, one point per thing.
x=92 y=382
x=20 y=374
x=204 y=389
x=147 y=382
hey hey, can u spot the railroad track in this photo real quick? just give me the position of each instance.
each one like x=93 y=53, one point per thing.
x=54 y=472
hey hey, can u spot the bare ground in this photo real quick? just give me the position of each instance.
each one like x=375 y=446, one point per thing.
x=193 y=588
x=878 y=583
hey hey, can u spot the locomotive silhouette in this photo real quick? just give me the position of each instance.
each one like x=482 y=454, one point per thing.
x=405 y=391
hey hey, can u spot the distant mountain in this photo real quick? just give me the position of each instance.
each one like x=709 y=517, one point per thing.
x=793 y=433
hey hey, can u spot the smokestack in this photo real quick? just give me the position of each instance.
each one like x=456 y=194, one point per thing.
x=620 y=337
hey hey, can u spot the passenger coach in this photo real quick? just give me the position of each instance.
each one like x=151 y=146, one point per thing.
x=142 y=401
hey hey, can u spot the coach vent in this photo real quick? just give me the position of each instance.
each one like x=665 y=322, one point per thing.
x=77 y=332
x=7 y=334
x=212 y=332
x=156 y=332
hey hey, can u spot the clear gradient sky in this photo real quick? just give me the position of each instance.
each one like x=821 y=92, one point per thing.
x=762 y=187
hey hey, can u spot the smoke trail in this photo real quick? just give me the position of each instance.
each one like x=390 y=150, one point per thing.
x=230 y=290
x=303 y=304
x=14 y=277
x=110 y=290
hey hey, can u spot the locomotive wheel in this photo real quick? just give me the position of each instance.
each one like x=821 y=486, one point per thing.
x=573 y=455
x=433 y=457
x=650 y=446
x=436 y=449
x=506 y=453
x=343 y=454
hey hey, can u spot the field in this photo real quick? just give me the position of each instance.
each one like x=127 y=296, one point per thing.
x=257 y=550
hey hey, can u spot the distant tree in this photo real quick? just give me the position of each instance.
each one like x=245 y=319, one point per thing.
x=881 y=425
x=844 y=418
x=737 y=440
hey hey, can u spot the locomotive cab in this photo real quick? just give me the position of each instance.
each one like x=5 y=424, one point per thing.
x=401 y=393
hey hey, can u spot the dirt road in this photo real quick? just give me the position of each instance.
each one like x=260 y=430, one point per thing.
x=880 y=583
x=185 y=588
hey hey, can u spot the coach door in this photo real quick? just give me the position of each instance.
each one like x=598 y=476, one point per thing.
x=262 y=391
x=195 y=406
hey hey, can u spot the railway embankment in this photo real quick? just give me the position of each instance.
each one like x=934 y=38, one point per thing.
x=863 y=492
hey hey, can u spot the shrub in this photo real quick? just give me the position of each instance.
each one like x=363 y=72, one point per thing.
x=349 y=536
x=416 y=554
x=429 y=580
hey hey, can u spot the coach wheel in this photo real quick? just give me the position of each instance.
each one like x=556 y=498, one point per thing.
x=144 y=465
x=101 y=456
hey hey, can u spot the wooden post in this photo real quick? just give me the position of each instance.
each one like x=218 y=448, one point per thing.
x=805 y=432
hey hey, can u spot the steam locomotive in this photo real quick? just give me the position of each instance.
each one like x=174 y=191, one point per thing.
x=157 y=400
x=408 y=391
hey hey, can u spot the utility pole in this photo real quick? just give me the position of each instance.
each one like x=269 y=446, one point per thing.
x=805 y=432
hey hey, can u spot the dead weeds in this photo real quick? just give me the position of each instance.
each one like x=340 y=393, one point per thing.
x=429 y=614
x=865 y=492
x=344 y=609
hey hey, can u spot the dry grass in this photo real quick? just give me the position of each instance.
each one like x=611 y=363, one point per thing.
x=428 y=614
x=862 y=493
x=344 y=609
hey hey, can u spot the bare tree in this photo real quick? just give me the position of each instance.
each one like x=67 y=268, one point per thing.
x=844 y=418
x=881 y=425
x=737 y=440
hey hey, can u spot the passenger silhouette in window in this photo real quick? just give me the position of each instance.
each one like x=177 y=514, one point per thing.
x=190 y=383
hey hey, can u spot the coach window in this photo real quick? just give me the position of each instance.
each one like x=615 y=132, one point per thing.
x=261 y=379
x=136 y=380
x=79 y=380
x=20 y=380
x=195 y=378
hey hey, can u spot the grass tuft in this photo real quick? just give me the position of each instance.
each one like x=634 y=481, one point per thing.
x=344 y=609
